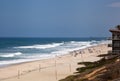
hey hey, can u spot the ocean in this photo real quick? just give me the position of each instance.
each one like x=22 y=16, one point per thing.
x=18 y=50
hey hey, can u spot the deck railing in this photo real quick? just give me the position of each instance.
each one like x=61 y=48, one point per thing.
x=114 y=52
x=115 y=38
x=109 y=45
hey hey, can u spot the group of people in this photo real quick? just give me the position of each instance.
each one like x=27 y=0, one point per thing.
x=94 y=49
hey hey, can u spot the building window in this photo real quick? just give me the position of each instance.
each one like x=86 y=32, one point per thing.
x=116 y=36
x=116 y=44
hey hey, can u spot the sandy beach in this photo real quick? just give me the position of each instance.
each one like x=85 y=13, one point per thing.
x=52 y=69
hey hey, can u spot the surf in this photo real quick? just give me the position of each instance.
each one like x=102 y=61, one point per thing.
x=10 y=54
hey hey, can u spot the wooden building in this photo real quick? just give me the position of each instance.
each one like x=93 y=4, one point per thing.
x=115 y=40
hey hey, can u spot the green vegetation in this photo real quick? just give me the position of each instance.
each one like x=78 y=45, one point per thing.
x=73 y=78
x=69 y=78
x=90 y=67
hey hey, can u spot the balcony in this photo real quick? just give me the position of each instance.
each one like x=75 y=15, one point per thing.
x=114 y=52
x=109 y=45
x=115 y=38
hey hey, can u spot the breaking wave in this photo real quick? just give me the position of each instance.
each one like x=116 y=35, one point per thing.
x=44 y=51
x=10 y=54
x=41 y=46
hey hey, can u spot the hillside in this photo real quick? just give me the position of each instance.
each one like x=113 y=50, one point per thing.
x=102 y=70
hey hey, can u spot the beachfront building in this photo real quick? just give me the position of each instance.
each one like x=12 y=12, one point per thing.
x=115 y=40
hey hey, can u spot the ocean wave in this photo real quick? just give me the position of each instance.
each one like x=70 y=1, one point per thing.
x=41 y=46
x=14 y=61
x=76 y=45
x=38 y=50
x=11 y=54
x=28 y=59
x=67 y=50
x=40 y=56
x=80 y=42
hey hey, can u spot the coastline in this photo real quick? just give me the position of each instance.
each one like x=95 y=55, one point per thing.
x=51 y=68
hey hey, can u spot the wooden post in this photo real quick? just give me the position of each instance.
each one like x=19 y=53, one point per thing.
x=70 y=67
x=55 y=63
x=55 y=70
x=18 y=74
x=82 y=58
x=39 y=67
x=56 y=74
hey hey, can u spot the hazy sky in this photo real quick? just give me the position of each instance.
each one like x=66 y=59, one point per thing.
x=58 y=18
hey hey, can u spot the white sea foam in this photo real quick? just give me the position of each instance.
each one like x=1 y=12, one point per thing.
x=41 y=46
x=31 y=58
x=54 y=49
x=41 y=56
x=14 y=61
x=67 y=50
x=10 y=54
x=61 y=50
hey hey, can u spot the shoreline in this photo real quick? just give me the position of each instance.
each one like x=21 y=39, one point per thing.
x=62 y=55
x=68 y=60
x=47 y=58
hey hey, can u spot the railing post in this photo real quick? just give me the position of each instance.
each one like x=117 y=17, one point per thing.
x=39 y=67
x=18 y=74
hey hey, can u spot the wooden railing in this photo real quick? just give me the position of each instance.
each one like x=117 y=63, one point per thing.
x=114 y=52
x=116 y=38
x=109 y=45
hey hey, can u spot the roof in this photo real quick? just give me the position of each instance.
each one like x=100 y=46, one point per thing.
x=114 y=30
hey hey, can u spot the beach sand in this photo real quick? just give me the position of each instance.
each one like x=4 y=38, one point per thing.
x=52 y=69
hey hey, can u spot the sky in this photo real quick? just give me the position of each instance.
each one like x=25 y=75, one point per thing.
x=58 y=18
